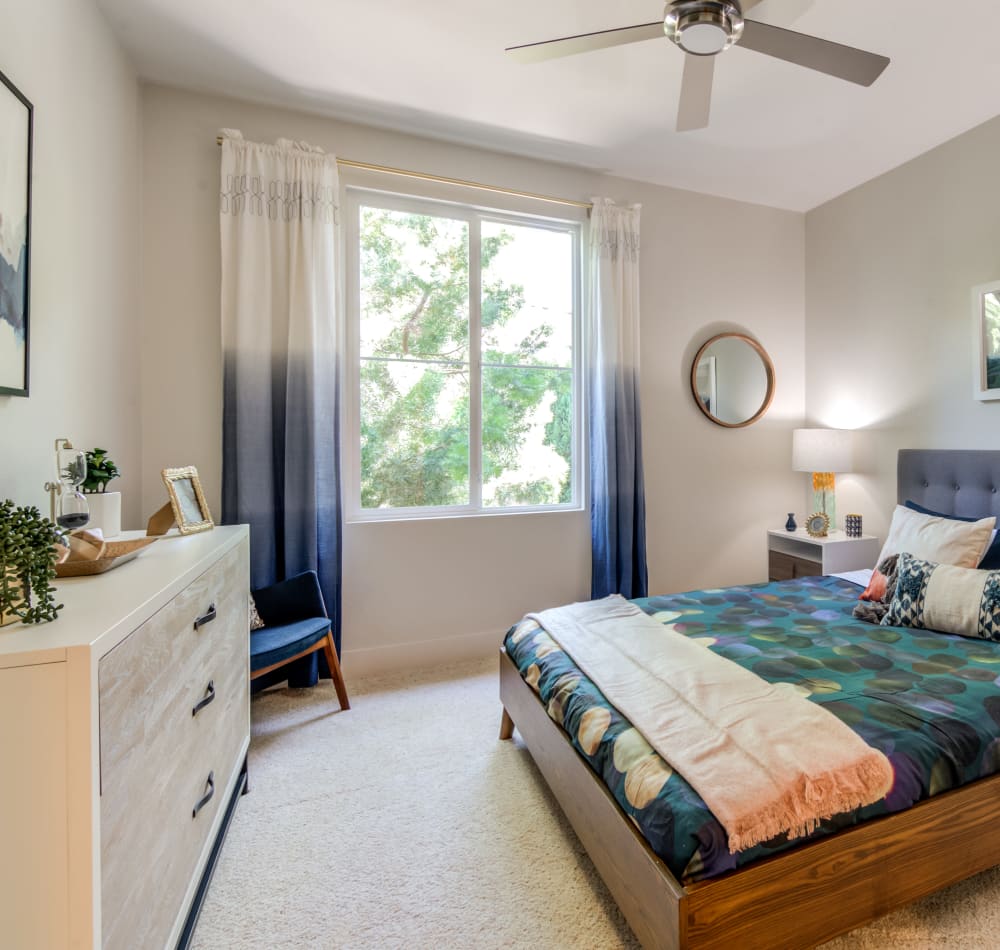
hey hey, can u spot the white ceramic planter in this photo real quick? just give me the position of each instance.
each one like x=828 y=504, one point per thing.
x=105 y=512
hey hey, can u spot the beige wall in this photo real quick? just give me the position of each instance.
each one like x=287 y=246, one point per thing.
x=890 y=267
x=707 y=264
x=84 y=244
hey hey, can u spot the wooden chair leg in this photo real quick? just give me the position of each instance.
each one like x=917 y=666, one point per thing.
x=330 y=651
x=506 y=725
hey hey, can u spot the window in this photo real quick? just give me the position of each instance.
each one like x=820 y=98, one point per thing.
x=464 y=334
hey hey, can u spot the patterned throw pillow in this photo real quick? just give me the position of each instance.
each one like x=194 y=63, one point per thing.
x=255 y=620
x=945 y=598
x=882 y=584
x=877 y=596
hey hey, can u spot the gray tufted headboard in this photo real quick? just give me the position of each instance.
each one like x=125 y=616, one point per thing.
x=963 y=482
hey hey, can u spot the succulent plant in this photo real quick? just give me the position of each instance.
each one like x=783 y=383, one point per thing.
x=27 y=564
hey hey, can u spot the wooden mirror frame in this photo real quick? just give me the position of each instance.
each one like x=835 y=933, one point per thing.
x=768 y=369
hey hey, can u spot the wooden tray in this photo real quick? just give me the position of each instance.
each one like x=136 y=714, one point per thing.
x=122 y=551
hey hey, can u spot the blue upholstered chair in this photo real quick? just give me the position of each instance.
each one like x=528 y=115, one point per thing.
x=295 y=625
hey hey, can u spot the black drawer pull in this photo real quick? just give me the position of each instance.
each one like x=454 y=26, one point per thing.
x=205 y=617
x=209 y=696
x=207 y=797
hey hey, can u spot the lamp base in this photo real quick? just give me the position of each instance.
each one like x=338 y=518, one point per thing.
x=824 y=495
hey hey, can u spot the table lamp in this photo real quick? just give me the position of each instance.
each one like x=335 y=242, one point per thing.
x=824 y=452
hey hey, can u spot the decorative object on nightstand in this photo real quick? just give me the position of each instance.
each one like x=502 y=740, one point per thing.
x=818 y=525
x=799 y=555
x=105 y=506
x=852 y=526
x=824 y=452
x=790 y=524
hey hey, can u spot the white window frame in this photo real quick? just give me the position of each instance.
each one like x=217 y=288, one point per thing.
x=474 y=215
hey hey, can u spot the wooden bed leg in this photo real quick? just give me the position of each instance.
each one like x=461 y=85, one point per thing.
x=506 y=725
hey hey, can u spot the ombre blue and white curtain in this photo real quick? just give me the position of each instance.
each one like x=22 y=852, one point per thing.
x=617 y=496
x=280 y=284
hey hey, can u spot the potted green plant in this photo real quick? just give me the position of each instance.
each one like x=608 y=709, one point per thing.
x=105 y=506
x=27 y=565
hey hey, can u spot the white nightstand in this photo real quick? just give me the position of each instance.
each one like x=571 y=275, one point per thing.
x=795 y=554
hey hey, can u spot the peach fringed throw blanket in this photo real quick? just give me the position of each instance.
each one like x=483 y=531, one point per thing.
x=765 y=759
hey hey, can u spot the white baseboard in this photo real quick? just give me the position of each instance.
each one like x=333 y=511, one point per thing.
x=420 y=654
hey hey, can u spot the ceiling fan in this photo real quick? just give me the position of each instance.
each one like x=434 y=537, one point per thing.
x=705 y=28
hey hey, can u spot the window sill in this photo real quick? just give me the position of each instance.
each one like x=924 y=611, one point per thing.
x=378 y=517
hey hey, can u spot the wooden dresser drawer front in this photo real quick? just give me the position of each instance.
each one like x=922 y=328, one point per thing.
x=156 y=754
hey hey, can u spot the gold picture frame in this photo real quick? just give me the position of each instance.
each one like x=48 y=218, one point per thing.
x=187 y=507
x=818 y=524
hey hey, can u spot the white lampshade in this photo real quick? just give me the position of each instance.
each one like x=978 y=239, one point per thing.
x=821 y=450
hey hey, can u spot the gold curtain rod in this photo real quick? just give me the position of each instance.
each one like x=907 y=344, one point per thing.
x=424 y=176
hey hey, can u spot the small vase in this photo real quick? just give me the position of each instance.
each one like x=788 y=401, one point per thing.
x=790 y=524
x=106 y=512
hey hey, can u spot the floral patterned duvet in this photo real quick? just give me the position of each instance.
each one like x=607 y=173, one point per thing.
x=929 y=701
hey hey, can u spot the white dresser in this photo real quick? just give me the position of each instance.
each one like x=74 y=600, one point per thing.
x=124 y=728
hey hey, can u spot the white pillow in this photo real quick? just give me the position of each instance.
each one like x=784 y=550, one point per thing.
x=942 y=540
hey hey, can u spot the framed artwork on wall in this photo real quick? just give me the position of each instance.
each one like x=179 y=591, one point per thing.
x=986 y=348
x=16 y=116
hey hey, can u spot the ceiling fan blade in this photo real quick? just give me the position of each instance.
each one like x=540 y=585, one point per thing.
x=789 y=10
x=585 y=42
x=844 y=62
x=695 y=105
x=696 y=93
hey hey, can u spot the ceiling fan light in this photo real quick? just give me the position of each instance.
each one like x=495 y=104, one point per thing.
x=703 y=27
x=703 y=39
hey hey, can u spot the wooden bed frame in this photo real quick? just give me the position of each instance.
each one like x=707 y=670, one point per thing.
x=814 y=892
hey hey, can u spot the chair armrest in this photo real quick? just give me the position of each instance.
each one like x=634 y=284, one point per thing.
x=296 y=598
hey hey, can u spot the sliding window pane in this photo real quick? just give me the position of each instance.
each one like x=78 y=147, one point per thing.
x=414 y=434
x=527 y=298
x=527 y=436
x=414 y=285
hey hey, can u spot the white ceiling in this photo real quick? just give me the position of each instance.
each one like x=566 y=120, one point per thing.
x=780 y=135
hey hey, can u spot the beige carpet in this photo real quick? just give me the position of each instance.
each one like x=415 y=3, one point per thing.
x=405 y=823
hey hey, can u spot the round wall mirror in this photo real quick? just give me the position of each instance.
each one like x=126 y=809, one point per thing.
x=732 y=380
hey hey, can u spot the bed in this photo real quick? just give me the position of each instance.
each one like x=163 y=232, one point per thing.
x=848 y=873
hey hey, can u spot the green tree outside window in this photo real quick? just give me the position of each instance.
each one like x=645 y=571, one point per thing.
x=416 y=368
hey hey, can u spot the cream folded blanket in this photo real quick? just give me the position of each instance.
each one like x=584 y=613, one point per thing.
x=766 y=760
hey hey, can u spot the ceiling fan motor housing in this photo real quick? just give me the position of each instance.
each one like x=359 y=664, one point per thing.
x=703 y=27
